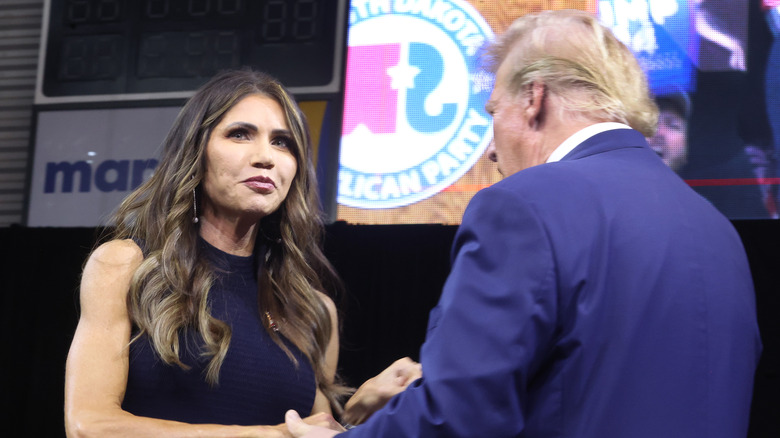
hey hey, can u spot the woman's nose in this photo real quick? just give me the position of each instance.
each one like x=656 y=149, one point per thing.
x=262 y=154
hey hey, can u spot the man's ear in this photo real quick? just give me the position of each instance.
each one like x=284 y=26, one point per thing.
x=535 y=105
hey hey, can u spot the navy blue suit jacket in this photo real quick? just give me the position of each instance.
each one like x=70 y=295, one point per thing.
x=598 y=296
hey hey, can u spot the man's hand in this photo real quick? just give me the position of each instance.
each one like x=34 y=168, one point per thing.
x=377 y=391
x=301 y=429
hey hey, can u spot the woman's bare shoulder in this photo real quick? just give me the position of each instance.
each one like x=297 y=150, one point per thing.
x=109 y=270
x=328 y=302
x=117 y=253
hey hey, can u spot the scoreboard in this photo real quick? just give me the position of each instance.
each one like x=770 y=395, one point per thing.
x=109 y=50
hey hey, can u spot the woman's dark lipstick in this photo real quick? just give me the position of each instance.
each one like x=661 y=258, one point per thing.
x=260 y=184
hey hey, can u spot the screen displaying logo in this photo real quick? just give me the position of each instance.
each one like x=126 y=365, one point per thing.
x=414 y=118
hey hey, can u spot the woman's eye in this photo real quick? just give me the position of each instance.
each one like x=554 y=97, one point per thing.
x=281 y=142
x=238 y=134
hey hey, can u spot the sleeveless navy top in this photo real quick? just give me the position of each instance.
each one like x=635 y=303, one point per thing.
x=257 y=382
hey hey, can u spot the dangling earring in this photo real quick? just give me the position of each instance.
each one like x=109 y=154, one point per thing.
x=195 y=219
x=271 y=322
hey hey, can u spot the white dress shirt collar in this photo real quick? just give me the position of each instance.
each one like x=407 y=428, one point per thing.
x=582 y=135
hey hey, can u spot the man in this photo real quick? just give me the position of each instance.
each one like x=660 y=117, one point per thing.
x=670 y=141
x=592 y=292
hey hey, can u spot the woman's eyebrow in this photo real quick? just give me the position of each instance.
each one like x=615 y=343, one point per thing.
x=284 y=132
x=245 y=125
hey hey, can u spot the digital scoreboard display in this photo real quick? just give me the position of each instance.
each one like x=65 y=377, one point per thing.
x=140 y=49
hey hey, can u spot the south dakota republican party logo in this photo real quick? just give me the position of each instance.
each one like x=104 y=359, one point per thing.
x=414 y=117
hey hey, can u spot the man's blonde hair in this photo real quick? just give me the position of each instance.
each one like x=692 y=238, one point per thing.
x=580 y=61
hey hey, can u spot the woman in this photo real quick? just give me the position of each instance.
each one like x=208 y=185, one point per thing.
x=204 y=308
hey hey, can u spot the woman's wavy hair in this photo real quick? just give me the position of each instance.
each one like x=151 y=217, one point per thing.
x=582 y=62
x=169 y=291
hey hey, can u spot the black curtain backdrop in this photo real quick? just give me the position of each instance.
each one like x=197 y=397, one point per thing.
x=393 y=276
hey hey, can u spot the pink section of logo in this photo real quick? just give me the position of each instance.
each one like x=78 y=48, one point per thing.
x=368 y=97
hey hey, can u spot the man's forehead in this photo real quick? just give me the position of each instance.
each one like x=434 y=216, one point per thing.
x=495 y=96
x=502 y=73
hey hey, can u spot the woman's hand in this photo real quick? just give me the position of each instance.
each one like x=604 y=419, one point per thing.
x=318 y=421
x=377 y=391
x=311 y=427
x=369 y=398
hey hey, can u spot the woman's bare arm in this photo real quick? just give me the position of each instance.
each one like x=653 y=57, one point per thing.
x=97 y=365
